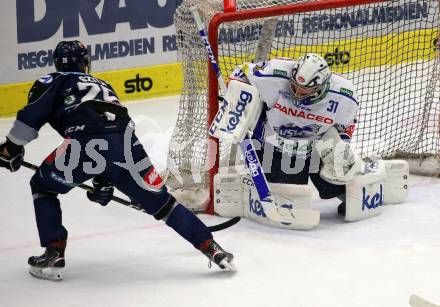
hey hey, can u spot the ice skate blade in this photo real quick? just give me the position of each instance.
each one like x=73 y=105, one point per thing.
x=227 y=265
x=53 y=274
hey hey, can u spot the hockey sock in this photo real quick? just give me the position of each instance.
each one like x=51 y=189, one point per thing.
x=49 y=220
x=48 y=215
x=189 y=226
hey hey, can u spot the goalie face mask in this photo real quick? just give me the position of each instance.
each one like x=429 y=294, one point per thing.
x=308 y=77
x=71 y=56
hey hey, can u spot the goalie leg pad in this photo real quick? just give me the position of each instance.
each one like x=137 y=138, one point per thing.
x=298 y=196
x=291 y=209
x=235 y=195
x=396 y=182
x=228 y=194
x=365 y=193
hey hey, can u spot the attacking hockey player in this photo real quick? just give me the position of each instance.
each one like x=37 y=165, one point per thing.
x=100 y=144
x=302 y=117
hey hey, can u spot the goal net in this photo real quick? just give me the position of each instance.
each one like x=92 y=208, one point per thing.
x=388 y=49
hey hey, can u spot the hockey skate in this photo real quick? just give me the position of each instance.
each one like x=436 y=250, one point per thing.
x=50 y=264
x=218 y=255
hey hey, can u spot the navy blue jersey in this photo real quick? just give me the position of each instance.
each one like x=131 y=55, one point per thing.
x=71 y=103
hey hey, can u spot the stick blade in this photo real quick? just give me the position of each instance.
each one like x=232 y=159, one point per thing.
x=225 y=225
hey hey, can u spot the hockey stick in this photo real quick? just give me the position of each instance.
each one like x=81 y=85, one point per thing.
x=417 y=301
x=130 y=204
x=249 y=153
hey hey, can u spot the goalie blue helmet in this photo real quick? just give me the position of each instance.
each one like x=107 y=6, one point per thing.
x=71 y=56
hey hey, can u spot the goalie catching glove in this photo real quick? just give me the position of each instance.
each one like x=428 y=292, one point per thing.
x=238 y=112
x=340 y=162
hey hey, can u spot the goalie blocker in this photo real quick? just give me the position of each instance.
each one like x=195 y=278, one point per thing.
x=238 y=112
x=380 y=182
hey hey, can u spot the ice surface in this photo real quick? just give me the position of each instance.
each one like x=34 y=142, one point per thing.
x=117 y=256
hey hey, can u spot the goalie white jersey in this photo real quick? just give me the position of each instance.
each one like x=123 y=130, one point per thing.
x=336 y=105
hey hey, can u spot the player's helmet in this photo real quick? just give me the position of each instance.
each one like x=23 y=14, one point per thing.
x=71 y=56
x=309 y=76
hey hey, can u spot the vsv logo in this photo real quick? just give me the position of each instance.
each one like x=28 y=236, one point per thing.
x=337 y=57
x=255 y=206
x=372 y=201
x=291 y=131
x=235 y=116
x=140 y=14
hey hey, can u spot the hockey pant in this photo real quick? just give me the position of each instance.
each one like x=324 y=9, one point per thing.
x=142 y=186
x=280 y=167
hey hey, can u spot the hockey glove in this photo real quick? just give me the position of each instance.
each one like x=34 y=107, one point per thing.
x=340 y=162
x=102 y=192
x=15 y=156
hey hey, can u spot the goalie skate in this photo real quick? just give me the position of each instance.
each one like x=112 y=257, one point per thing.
x=50 y=264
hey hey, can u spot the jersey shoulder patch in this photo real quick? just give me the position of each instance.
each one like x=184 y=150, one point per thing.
x=41 y=86
x=278 y=68
x=346 y=91
x=47 y=79
x=342 y=86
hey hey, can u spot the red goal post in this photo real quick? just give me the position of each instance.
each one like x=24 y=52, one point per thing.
x=423 y=141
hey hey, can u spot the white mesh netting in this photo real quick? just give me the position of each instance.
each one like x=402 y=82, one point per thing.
x=388 y=49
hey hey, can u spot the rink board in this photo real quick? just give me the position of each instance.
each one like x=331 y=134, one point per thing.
x=129 y=84
x=167 y=79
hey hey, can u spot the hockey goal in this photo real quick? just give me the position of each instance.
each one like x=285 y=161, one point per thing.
x=389 y=49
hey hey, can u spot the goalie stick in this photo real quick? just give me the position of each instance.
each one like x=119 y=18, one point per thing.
x=246 y=146
x=275 y=213
x=417 y=301
x=130 y=204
